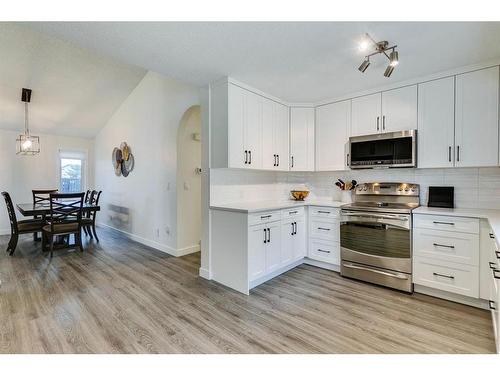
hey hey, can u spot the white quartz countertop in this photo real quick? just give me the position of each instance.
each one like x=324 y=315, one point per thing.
x=249 y=207
x=493 y=216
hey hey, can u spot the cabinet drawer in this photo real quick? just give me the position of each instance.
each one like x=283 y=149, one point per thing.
x=327 y=229
x=447 y=246
x=264 y=217
x=324 y=251
x=451 y=277
x=292 y=213
x=325 y=212
x=447 y=223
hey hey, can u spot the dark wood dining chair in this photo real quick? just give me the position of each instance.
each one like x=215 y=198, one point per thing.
x=65 y=218
x=87 y=196
x=88 y=222
x=41 y=196
x=18 y=227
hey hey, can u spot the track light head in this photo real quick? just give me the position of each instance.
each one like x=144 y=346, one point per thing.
x=364 y=65
x=388 y=71
x=393 y=58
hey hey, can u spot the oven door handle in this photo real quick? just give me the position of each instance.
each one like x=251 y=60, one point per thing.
x=385 y=273
x=376 y=216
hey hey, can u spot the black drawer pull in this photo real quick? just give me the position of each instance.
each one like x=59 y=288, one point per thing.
x=497 y=253
x=440 y=274
x=490 y=302
x=443 y=222
x=324 y=251
x=493 y=266
x=494 y=270
x=492 y=235
x=292 y=212
x=265 y=235
x=448 y=246
x=265 y=217
x=327 y=229
x=324 y=212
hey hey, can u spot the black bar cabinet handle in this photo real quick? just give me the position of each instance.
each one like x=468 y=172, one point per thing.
x=249 y=157
x=268 y=235
x=440 y=274
x=449 y=154
x=321 y=228
x=292 y=163
x=448 y=246
x=458 y=153
x=443 y=222
x=492 y=235
x=278 y=157
x=324 y=251
x=265 y=217
x=490 y=302
x=265 y=236
x=246 y=157
x=293 y=229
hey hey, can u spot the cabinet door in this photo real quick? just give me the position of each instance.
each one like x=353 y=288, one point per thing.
x=436 y=123
x=399 y=109
x=273 y=247
x=256 y=251
x=366 y=115
x=333 y=124
x=282 y=135
x=302 y=139
x=299 y=240
x=268 y=134
x=287 y=242
x=476 y=118
x=236 y=127
x=253 y=129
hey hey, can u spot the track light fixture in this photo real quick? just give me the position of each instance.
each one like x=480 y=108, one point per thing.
x=380 y=48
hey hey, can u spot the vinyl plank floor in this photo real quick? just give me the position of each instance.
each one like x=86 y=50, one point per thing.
x=119 y=296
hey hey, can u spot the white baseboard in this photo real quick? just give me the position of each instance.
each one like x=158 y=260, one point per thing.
x=155 y=245
x=188 y=250
x=205 y=273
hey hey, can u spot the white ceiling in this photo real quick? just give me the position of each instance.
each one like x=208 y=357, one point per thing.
x=75 y=91
x=298 y=62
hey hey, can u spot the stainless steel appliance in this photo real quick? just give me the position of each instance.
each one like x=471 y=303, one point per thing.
x=376 y=234
x=388 y=150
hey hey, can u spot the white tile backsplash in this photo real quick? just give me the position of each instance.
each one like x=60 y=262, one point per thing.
x=474 y=187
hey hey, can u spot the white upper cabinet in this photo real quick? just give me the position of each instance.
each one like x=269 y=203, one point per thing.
x=333 y=126
x=476 y=118
x=275 y=135
x=301 y=139
x=399 y=109
x=247 y=129
x=436 y=123
x=366 y=114
x=388 y=111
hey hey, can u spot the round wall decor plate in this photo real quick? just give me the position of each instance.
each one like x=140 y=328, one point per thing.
x=113 y=157
x=124 y=170
x=125 y=150
x=118 y=169
x=129 y=163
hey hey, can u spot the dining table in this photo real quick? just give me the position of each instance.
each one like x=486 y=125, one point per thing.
x=42 y=210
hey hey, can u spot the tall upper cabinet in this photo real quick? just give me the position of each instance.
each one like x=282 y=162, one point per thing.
x=436 y=123
x=476 y=118
x=458 y=120
x=248 y=130
x=388 y=111
x=301 y=139
x=333 y=126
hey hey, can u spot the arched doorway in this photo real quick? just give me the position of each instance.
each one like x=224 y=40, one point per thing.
x=189 y=182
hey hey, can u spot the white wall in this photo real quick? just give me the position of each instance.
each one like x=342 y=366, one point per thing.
x=143 y=204
x=189 y=182
x=474 y=187
x=19 y=174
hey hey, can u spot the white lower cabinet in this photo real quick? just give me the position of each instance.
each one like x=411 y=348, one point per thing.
x=293 y=240
x=446 y=253
x=324 y=234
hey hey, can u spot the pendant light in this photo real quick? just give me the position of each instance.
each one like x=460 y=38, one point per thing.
x=27 y=144
x=378 y=48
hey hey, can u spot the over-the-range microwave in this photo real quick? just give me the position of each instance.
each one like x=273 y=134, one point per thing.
x=384 y=150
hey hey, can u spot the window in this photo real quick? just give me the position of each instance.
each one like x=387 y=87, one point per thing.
x=72 y=171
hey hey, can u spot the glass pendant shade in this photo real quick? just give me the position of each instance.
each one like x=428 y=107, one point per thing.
x=27 y=144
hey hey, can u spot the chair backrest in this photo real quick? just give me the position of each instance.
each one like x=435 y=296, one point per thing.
x=11 y=212
x=95 y=197
x=66 y=207
x=87 y=196
x=42 y=196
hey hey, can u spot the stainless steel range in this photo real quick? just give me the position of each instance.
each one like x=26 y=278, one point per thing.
x=376 y=234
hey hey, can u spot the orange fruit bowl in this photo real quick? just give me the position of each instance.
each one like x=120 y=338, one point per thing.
x=299 y=195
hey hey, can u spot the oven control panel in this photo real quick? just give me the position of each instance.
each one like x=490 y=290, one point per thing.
x=388 y=188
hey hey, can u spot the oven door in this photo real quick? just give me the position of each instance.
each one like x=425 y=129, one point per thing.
x=376 y=239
